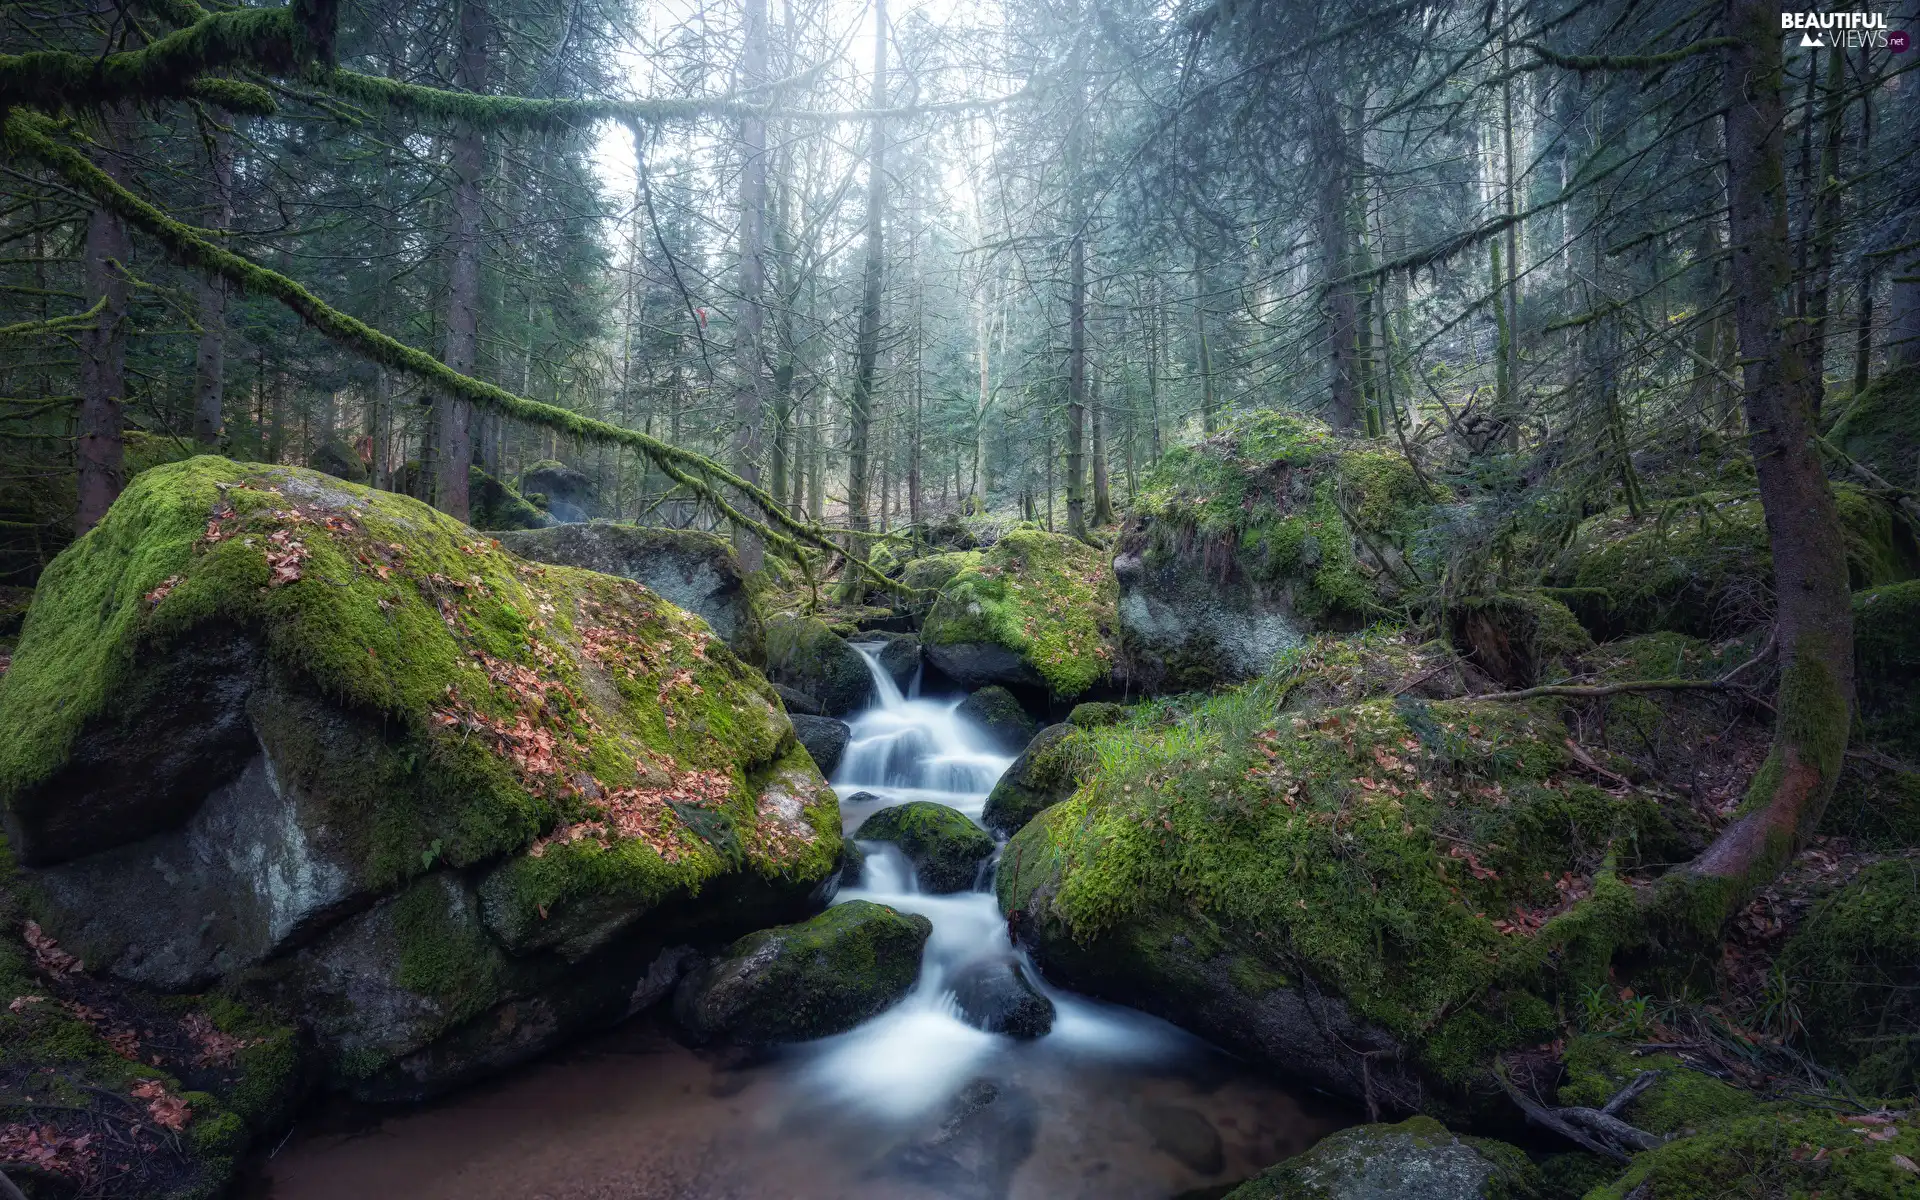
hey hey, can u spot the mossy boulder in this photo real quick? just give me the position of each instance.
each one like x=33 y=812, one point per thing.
x=1035 y=611
x=1854 y=965
x=807 y=656
x=270 y=730
x=1375 y=895
x=1702 y=566
x=935 y=571
x=1881 y=426
x=1518 y=638
x=1007 y=726
x=566 y=493
x=497 y=506
x=334 y=457
x=825 y=738
x=1418 y=1157
x=1241 y=544
x=1096 y=713
x=697 y=571
x=945 y=848
x=1781 y=1149
x=1886 y=655
x=1046 y=773
x=811 y=980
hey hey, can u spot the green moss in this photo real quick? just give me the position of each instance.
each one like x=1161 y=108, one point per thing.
x=496 y=505
x=1046 y=597
x=1096 y=714
x=514 y=697
x=1374 y=844
x=1681 y=1102
x=805 y=653
x=1881 y=426
x=443 y=955
x=933 y=571
x=1046 y=772
x=1854 y=970
x=945 y=848
x=1886 y=654
x=1703 y=566
x=1288 y=499
x=1779 y=1150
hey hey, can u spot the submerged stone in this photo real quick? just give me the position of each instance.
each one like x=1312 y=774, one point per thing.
x=798 y=982
x=945 y=848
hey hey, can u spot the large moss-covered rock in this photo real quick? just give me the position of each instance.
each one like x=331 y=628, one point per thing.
x=934 y=571
x=1702 y=565
x=1369 y=894
x=271 y=730
x=1881 y=426
x=999 y=715
x=564 y=492
x=496 y=505
x=810 y=980
x=1417 y=1157
x=1886 y=655
x=1046 y=773
x=1036 y=611
x=697 y=571
x=945 y=848
x=807 y=656
x=1239 y=545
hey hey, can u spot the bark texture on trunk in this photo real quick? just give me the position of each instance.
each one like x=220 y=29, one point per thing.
x=1334 y=230
x=210 y=357
x=867 y=339
x=1814 y=622
x=455 y=416
x=749 y=396
x=100 y=452
x=1077 y=387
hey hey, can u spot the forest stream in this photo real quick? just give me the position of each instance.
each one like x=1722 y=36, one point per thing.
x=914 y=1103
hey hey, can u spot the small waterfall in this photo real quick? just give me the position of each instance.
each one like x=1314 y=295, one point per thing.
x=916 y=749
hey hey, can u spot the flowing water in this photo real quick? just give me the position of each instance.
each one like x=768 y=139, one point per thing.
x=914 y=1103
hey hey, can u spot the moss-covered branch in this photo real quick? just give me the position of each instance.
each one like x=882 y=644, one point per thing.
x=1580 y=692
x=30 y=136
x=269 y=39
x=1627 y=62
x=54 y=324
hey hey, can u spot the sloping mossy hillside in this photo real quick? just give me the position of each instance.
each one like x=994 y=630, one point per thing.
x=1044 y=596
x=1421 y=859
x=1702 y=566
x=1269 y=492
x=522 y=701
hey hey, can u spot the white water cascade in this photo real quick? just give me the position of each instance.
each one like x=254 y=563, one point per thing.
x=919 y=1053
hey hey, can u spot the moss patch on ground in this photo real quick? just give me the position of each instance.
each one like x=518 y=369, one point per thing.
x=1046 y=597
x=1886 y=653
x=1783 y=1150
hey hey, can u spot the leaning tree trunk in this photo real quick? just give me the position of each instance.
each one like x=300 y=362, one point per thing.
x=100 y=451
x=463 y=280
x=1814 y=623
x=210 y=358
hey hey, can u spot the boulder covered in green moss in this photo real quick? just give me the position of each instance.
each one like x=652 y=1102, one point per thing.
x=811 y=980
x=1418 y=1157
x=1034 y=611
x=813 y=660
x=1240 y=544
x=1886 y=655
x=1881 y=426
x=934 y=571
x=497 y=506
x=1702 y=566
x=1096 y=713
x=695 y=570
x=1374 y=895
x=273 y=731
x=1518 y=638
x=566 y=493
x=1046 y=773
x=945 y=848
x=1007 y=726
x=334 y=457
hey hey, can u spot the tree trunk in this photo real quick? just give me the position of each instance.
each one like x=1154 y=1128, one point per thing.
x=1102 y=484
x=100 y=451
x=1076 y=387
x=748 y=396
x=1814 y=623
x=1202 y=352
x=867 y=343
x=1903 y=309
x=210 y=358
x=463 y=279
x=1826 y=217
x=1342 y=316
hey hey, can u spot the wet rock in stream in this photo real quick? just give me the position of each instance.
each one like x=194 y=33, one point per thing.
x=824 y=737
x=986 y=1133
x=998 y=997
x=946 y=849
